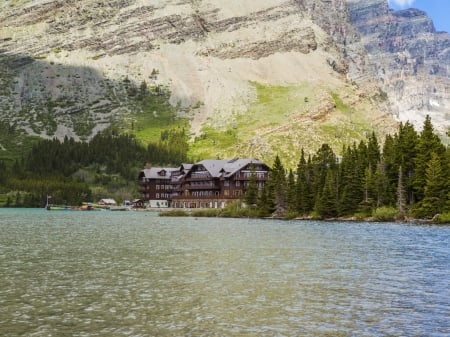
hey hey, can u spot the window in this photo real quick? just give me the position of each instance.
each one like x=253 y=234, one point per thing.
x=157 y=187
x=238 y=183
x=157 y=195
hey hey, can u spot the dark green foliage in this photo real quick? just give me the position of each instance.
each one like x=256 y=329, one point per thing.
x=327 y=199
x=277 y=187
x=410 y=177
x=303 y=186
x=436 y=189
x=109 y=160
x=251 y=194
x=428 y=143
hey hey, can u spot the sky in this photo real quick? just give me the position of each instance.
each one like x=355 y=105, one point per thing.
x=437 y=10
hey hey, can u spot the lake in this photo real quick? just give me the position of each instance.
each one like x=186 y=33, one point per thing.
x=136 y=274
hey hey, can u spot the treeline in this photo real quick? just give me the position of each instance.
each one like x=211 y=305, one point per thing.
x=409 y=176
x=53 y=167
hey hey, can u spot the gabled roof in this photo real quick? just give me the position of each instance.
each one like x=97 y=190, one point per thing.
x=232 y=166
x=107 y=201
x=213 y=166
x=226 y=168
x=186 y=167
x=157 y=172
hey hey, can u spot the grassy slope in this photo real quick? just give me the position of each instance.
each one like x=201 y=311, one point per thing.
x=285 y=119
x=156 y=115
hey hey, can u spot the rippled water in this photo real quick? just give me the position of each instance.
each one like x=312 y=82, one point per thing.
x=136 y=274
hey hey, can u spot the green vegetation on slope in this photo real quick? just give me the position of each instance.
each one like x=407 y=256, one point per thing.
x=153 y=113
x=284 y=119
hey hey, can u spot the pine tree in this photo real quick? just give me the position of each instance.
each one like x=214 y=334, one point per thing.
x=303 y=186
x=327 y=202
x=350 y=189
x=322 y=161
x=278 y=186
x=406 y=153
x=435 y=190
x=291 y=195
x=428 y=143
x=381 y=186
x=390 y=171
x=373 y=152
x=401 y=198
x=251 y=193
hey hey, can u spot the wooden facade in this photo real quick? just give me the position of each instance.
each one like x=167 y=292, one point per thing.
x=156 y=187
x=207 y=184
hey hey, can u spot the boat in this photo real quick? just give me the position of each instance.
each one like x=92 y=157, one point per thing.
x=58 y=208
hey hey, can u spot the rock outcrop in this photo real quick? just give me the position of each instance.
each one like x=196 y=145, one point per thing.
x=65 y=66
x=411 y=59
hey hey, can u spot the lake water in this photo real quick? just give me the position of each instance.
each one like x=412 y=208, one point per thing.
x=137 y=274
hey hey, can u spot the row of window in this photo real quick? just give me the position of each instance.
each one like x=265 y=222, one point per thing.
x=226 y=183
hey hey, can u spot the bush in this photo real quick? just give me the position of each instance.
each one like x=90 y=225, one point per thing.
x=206 y=213
x=385 y=214
x=178 y=213
x=442 y=218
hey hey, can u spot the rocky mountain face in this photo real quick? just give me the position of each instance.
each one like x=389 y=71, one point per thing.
x=409 y=57
x=66 y=66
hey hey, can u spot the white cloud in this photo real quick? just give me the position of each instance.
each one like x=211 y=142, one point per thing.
x=402 y=3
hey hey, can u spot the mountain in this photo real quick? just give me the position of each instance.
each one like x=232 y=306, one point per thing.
x=409 y=57
x=248 y=78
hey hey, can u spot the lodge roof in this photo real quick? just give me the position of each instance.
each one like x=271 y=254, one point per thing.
x=232 y=166
x=213 y=166
x=157 y=172
x=216 y=167
x=226 y=168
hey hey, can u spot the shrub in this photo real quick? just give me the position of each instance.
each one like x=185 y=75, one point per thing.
x=178 y=213
x=206 y=213
x=385 y=214
x=443 y=218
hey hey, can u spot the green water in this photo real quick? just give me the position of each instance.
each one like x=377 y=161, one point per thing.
x=137 y=274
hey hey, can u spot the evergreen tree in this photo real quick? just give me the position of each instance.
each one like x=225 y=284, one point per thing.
x=406 y=153
x=381 y=186
x=389 y=171
x=428 y=143
x=327 y=202
x=435 y=191
x=351 y=184
x=265 y=203
x=251 y=193
x=291 y=195
x=373 y=152
x=322 y=161
x=303 y=186
x=278 y=186
x=401 y=197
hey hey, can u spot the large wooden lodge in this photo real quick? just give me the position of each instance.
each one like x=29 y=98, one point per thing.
x=206 y=184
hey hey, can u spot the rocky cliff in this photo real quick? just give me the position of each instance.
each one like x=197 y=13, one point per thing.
x=411 y=59
x=293 y=66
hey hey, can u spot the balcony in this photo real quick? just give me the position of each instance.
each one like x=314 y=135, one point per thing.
x=260 y=176
x=202 y=187
x=199 y=176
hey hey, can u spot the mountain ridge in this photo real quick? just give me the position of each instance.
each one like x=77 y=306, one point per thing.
x=71 y=66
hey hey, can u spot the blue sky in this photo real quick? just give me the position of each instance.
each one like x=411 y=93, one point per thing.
x=437 y=10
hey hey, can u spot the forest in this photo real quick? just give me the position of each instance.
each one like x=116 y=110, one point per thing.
x=74 y=172
x=407 y=176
